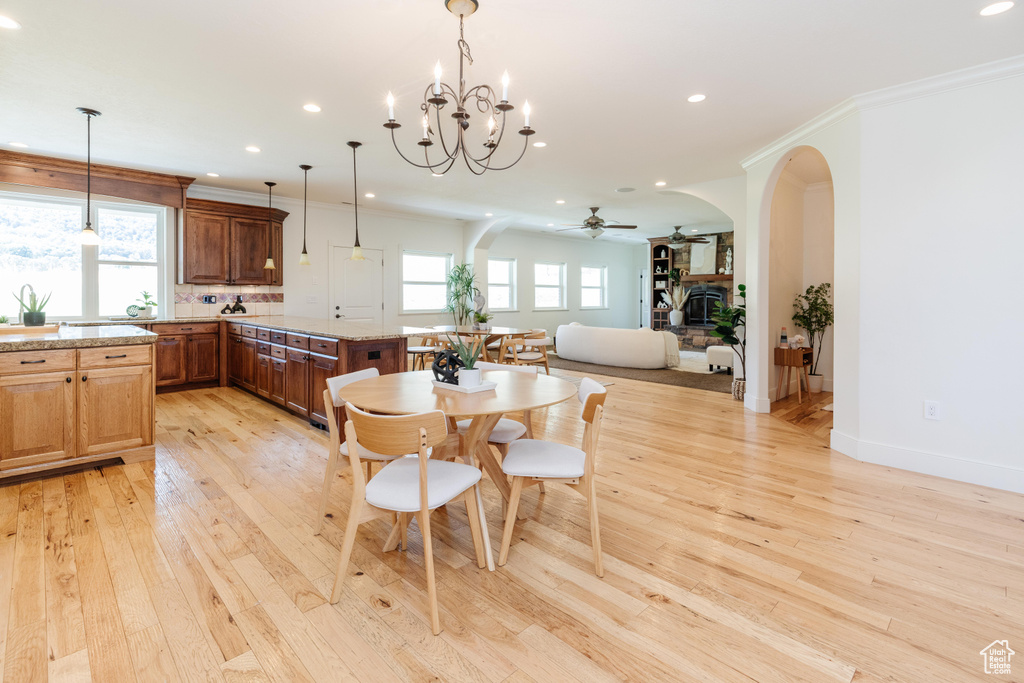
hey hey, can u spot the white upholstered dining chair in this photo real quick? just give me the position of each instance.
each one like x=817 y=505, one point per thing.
x=532 y=461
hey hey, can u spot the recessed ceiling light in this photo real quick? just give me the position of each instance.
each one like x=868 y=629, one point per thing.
x=551 y=225
x=17 y=144
x=369 y=195
x=252 y=148
x=559 y=201
x=7 y=22
x=996 y=8
x=311 y=107
x=214 y=175
x=696 y=98
x=540 y=144
x=694 y=230
x=626 y=189
x=488 y=214
x=660 y=183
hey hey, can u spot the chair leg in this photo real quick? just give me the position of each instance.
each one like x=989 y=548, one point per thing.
x=595 y=531
x=473 y=515
x=428 y=561
x=332 y=471
x=547 y=369
x=369 y=470
x=540 y=487
x=354 y=512
x=510 y=518
x=398 y=538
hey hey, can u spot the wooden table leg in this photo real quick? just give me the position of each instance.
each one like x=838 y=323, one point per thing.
x=778 y=383
x=799 y=395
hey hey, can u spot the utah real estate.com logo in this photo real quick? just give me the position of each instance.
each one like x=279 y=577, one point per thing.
x=997 y=657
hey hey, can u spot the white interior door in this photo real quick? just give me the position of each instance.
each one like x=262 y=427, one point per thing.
x=357 y=287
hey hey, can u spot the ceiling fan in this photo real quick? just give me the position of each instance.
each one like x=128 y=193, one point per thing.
x=594 y=225
x=677 y=240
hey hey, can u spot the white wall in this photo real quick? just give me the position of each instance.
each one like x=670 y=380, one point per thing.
x=624 y=262
x=786 y=261
x=918 y=171
x=819 y=259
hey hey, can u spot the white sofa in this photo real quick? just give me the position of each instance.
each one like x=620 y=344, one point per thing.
x=641 y=348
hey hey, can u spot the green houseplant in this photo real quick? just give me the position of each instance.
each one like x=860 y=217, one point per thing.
x=813 y=312
x=148 y=304
x=34 y=315
x=730 y=327
x=481 y=321
x=469 y=374
x=461 y=289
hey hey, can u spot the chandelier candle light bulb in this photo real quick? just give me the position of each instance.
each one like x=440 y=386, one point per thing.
x=526 y=113
x=391 y=107
x=437 y=78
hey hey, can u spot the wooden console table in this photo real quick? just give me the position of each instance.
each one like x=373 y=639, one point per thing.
x=787 y=359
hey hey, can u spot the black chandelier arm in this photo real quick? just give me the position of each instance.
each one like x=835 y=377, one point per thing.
x=488 y=167
x=410 y=161
x=493 y=148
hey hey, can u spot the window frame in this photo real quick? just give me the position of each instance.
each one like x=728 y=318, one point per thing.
x=513 y=267
x=602 y=288
x=91 y=261
x=562 y=298
x=403 y=282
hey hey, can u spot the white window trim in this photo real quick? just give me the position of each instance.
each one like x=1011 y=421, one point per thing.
x=90 y=254
x=562 y=298
x=603 y=288
x=513 y=267
x=403 y=282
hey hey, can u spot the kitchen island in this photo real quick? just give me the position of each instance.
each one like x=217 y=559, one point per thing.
x=75 y=396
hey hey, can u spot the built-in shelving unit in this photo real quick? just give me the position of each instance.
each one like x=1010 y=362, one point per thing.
x=661 y=263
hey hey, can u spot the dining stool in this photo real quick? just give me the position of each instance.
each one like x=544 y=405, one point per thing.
x=528 y=353
x=532 y=461
x=428 y=346
x=408 y=487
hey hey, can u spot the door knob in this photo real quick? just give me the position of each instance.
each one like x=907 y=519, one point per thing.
x=337 y=308
x=337 y=315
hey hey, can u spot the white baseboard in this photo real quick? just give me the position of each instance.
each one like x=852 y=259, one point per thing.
x=948 y=467
x=758 y=405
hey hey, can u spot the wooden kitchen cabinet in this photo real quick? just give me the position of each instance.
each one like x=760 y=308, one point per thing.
x=320 y=369
x=225 y=243
x=242 y=361
x=278 y=381
x=171 y=360
x=235 y=352
x=296 y=379
x=184 y=359
x=115 y=409
x=263 y=375
x=37 y=418
x=203 y=358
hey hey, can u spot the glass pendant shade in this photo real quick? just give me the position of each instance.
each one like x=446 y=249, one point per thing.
x=304 y=259
x=89 y=236
x=269 y=265
x=357 y=253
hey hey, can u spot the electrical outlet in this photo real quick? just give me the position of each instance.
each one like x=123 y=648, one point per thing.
x=932 y=410
x=316 y=280
x=209 y=298
x=311 y=299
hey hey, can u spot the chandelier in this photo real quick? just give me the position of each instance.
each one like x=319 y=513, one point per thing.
x=483 y=98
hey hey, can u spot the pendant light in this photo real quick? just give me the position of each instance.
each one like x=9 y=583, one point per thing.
x=357 y=251
x=89 y=236
x=304 y=257
x=269 y=265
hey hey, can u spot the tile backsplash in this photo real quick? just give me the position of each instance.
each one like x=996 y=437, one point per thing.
x=258 y=299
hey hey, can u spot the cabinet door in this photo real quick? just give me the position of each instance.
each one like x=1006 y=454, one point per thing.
x=277 y=249
x=249 y=364
x=278 y=380
x=297 y=382
x=236 y=352
x=115 y=409
x=203 y=358
x=249 y=241
x=171 y=367
x=207 y=248
x=321 y=368
x=263 y=376
x=37 y=418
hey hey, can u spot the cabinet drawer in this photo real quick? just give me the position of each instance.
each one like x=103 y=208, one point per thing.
x=115 y=356
x=249 y=331
x=262 y=334
x=22 y=362
x=278 y=337
x=327 y=347
x=186 y=328
x=263 y=348
x=298 y=341
x=278 y=351
x=235 y=328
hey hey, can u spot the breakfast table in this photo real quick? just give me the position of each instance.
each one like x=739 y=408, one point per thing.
x=405 y=393
x=490 y=335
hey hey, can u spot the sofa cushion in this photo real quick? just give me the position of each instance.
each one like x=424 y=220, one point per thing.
x=636 y=348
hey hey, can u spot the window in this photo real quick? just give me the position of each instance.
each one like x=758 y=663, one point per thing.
x=424 y=281
x=593 y=287
x=501 y=284
x=40 y=245
x=549 y=285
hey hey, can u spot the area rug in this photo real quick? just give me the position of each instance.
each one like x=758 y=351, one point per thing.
x=708 y=382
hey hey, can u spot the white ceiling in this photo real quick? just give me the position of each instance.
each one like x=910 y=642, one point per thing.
x=184 y=86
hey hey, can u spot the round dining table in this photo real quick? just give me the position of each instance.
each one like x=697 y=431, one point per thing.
x=490 y=335
x=405 y=393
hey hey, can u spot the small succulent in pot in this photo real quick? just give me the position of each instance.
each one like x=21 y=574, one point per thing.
x=148 y=304
x=34 y=315
x=469 y=374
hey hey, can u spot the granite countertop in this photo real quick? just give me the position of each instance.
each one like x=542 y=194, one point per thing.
x=77 y=338
x=321 y=327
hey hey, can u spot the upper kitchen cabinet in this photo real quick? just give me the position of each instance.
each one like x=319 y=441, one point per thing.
x=227 y=244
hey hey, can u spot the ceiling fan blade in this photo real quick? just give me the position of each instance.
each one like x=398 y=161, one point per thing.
x=621 y=227
x=565 y=229
x=697 y=240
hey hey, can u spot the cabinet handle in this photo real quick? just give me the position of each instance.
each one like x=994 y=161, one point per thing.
x=185 y=329
x=85 y=377
x=32 y=362
x=322 y=346
x=123 y=355
x=68 y=380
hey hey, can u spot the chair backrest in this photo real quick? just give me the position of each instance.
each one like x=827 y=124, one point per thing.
x=592 y=395
x=528 y=369
x=429 y=340
x=334 y=384
x=398 y=434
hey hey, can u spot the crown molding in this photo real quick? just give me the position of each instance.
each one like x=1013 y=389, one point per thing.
x=1011 y=67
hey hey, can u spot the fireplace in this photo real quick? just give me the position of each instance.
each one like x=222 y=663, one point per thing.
x=701 y=304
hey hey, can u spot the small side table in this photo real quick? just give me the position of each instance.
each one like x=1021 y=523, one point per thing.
x=793 y=358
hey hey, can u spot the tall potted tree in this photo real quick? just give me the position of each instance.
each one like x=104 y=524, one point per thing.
x=461 y=289
x=813 y=312
x=730 y=327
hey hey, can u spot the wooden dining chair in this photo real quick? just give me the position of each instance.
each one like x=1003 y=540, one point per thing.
x=410 y=487
x=523 y=352
x=338 y=448
x=531 y=461
x=507 y=430
x=427 y=347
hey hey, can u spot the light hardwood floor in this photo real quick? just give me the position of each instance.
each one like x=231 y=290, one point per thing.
x=736 y=549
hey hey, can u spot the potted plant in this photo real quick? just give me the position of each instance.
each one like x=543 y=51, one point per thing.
x=482 y=321
x=3 y=320
x=730 y=327
x=469 y=374
x=461 y=289
x=813 y=312
x=148 y=304
x=34 y=315
x=676 y=298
